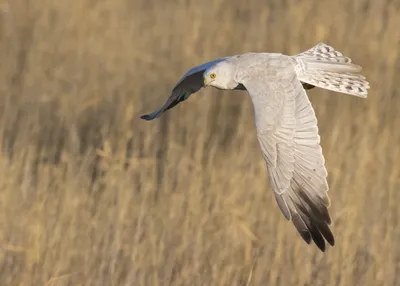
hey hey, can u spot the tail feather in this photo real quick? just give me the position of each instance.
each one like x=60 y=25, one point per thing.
x=319 y=64
x=346 y=83
x=323 y=67
x=323 y=52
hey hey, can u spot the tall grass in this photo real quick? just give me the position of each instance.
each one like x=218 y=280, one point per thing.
x=92 y=195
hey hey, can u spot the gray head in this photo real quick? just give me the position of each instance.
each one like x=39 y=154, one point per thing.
x=221 y=76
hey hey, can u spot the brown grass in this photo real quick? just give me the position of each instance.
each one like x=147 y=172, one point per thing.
x=92 y=195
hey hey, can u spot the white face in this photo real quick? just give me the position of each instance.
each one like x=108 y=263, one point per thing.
x=220 y=76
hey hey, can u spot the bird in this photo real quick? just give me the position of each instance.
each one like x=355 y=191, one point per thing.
x=285 y=122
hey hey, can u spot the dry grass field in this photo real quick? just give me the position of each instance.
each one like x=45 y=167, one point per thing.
x=90 y=194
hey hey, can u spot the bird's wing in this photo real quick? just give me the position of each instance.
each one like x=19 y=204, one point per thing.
x=288 y=135
x=190 y=83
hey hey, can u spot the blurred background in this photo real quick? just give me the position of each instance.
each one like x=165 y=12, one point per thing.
x=92 y=195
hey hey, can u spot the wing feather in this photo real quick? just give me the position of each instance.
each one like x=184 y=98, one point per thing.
x=191 y=82
x=288 y=135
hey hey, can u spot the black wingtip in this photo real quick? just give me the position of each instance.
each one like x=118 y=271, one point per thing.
x=150 y=116
x=146 y=117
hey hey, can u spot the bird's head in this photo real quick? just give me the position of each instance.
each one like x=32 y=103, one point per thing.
x=220 y=76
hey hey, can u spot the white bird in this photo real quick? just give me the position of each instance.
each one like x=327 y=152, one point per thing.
x=285 y=121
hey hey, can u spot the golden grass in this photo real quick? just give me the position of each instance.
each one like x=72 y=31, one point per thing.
x=92 y=195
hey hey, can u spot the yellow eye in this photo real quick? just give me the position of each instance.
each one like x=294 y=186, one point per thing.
x=213 y=75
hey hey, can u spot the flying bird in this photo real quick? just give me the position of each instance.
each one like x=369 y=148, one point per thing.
x=285 y=122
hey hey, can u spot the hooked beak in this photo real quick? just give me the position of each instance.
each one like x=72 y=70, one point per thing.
x=207 y=81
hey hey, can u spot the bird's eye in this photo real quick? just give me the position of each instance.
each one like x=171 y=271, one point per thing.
x=213 y=75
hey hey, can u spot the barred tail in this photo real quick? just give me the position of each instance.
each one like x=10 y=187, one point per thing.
x=323 y=67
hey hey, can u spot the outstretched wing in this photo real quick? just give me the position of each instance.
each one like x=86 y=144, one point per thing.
x=190 y=83
x=288 y=135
